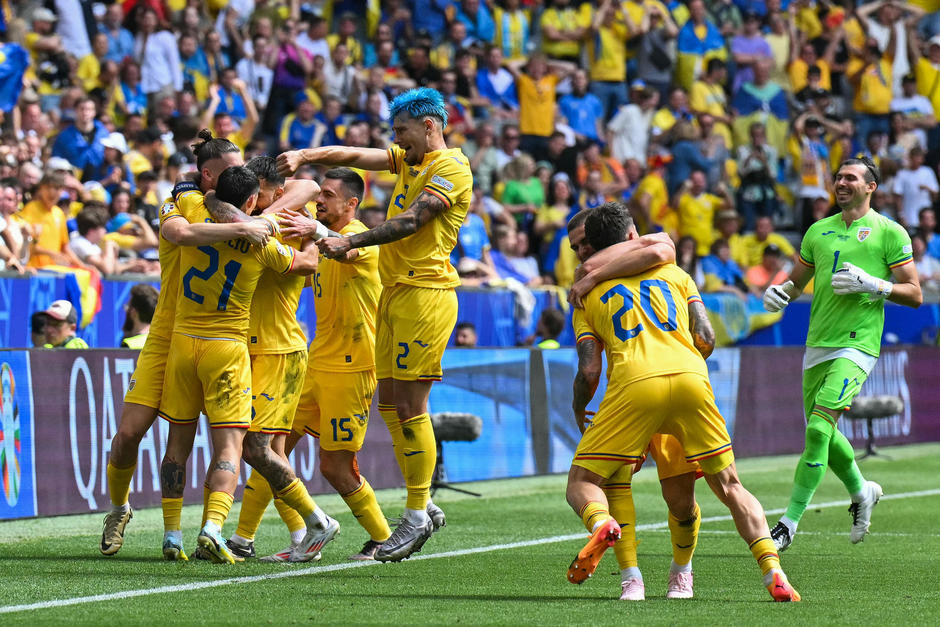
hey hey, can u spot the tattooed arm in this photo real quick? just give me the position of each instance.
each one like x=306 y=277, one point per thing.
x=585 y=382
x=703 y=335
x=424 y=209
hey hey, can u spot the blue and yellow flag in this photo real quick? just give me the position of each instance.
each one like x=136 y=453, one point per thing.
x=13 y=63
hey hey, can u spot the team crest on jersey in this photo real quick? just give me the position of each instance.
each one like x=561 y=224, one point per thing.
x=166 y=208
x=863 y=233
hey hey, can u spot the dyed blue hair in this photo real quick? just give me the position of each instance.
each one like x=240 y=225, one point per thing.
x=418 y=103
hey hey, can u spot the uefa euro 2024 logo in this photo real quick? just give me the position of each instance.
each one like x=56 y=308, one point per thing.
x=10 y=445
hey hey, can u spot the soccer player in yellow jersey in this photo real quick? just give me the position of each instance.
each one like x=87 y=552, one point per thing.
x=418 y=306
x=277 y=348
x=208 y=365
x=654 y=330
x=676 y=475
x=340 y=381
x=143 y=395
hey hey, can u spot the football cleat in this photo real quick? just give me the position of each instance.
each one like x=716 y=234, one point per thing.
x=241 y=552
x=315 y=539
x=861 y=511
x=201 y=554
x=367 y=553
x=173 y=549
x=214 y=544
x=436 y=514
x=633 y=590
x=284 y=557
x=112 y=536
x=781 y=536
x=584 y=565
x=780 y=588
x=680 y=586
x=407 y=538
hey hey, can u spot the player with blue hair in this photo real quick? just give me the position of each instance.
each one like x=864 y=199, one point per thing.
x=417 y=309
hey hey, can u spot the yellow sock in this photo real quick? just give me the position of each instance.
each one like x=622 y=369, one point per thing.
x=290 y=516
x=172 y=511
x=420 y=456
x=119 y=484
x=296 y=497
x=365 y=508
x=593 y=514
x=684 y=535
x=205 y=505
x=255 y=500
x=390 y=416
x=765 y=552
x=620 y=505
x=218 y=506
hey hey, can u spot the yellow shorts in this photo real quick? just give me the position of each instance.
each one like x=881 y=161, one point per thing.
x=682 y=405
x=670 y=457
x=276 y=381
x=146 y=386
x=210 y=374
x=334 y=407
x=413 y=327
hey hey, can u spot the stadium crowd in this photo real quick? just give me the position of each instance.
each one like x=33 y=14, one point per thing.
x=718 y=121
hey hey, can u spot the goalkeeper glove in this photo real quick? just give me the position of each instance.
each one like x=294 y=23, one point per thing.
x=776 y=297
x=853 y=280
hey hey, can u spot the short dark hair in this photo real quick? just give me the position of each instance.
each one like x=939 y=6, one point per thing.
x=553 y=321
x=466 y=324
x=143 y=300
x=607 y=225
x=236 y=185
x=353 y=186
x=265 y=168
x=37 y=321
x=872 y=172
x=715 y=64
x=90 y=218
x=578 y=219
x=211 y=147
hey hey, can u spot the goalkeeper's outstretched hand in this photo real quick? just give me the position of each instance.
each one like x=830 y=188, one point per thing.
x=853 y=280
x=776 y=297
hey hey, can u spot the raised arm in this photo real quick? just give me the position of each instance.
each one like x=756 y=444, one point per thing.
x=703 y=335
x=297 y=193
x=424 y=209
x=585 y=382
x=621 y=260
x=251 y=113
x=182 y=233
x=363 y=158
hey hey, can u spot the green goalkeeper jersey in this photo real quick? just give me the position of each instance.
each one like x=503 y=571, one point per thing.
x=873 y=243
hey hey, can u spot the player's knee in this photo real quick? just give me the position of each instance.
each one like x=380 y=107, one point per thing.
x=126 y=440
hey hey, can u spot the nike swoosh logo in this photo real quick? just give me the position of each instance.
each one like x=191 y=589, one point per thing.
x=817 y=465
x=683 y=546
x=407 y=454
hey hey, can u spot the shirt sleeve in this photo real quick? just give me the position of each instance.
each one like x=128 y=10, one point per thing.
x=277 y=256
x=395 y=158
x=169 y=210
x=450 y=179
x=582 y=328
x=806 y=248
x=690 y=290
x=898 y=249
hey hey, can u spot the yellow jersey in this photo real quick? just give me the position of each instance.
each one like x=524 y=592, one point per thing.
x=272 y=327
x=562 y=19
x=643 y=323
x=607 y=52
x=50 y=229
x=423 y=259
x=163 y=315
x=754 y=248
x=347 y=297
x=696 y=215
x=537 y=104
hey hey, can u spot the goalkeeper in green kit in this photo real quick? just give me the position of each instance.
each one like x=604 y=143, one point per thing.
x=851 y=255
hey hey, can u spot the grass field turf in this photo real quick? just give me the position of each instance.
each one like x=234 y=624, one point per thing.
x=886 y=579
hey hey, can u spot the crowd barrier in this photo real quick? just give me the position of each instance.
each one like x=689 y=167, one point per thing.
x=59 y=410
x=492 y=311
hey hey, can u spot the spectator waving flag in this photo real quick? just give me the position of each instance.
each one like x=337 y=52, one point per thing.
x=13 y=63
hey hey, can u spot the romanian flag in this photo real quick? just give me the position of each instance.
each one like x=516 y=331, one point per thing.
x=83 y=289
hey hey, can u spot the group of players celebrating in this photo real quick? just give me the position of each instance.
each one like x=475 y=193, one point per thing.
x=236 y=244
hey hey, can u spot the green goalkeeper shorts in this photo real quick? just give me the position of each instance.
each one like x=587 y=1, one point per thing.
x=832 y=384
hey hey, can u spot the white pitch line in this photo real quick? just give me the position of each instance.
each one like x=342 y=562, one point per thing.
x=312 y=570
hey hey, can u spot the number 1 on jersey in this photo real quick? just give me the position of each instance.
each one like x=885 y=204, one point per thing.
x=835 y=262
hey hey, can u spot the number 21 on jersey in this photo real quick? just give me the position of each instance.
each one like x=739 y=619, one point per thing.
x=230 y=271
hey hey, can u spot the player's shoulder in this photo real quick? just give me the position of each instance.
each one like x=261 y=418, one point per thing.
x=887 y=225
x=354 y=226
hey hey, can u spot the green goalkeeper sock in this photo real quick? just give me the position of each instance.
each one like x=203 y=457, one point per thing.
x=812 y=465
x=842 y=462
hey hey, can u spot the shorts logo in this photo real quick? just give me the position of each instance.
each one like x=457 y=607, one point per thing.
x=442 y=182
x=130 y=386
x=863 y=233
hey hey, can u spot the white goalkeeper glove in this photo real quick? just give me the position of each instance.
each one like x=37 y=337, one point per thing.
x=853 y=280
x=776 y=297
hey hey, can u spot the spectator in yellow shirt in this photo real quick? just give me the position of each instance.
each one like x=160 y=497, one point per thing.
x=563 y=29
x=763 y=236
x=536 y=89
x=697 y=208
x=607 y=54
x=804 y=57
x=708 y=96
x=47 y=224
x=89 y=68
x=872 y=79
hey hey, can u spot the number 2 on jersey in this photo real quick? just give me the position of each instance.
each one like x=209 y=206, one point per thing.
x=646 y=304
x=230 y=270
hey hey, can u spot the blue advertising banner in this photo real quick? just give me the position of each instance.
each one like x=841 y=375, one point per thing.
x=17 y=452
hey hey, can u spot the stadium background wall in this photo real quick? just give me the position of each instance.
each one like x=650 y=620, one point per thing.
x=59 y=410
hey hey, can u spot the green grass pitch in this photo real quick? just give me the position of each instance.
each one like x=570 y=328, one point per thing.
x=502 y=559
